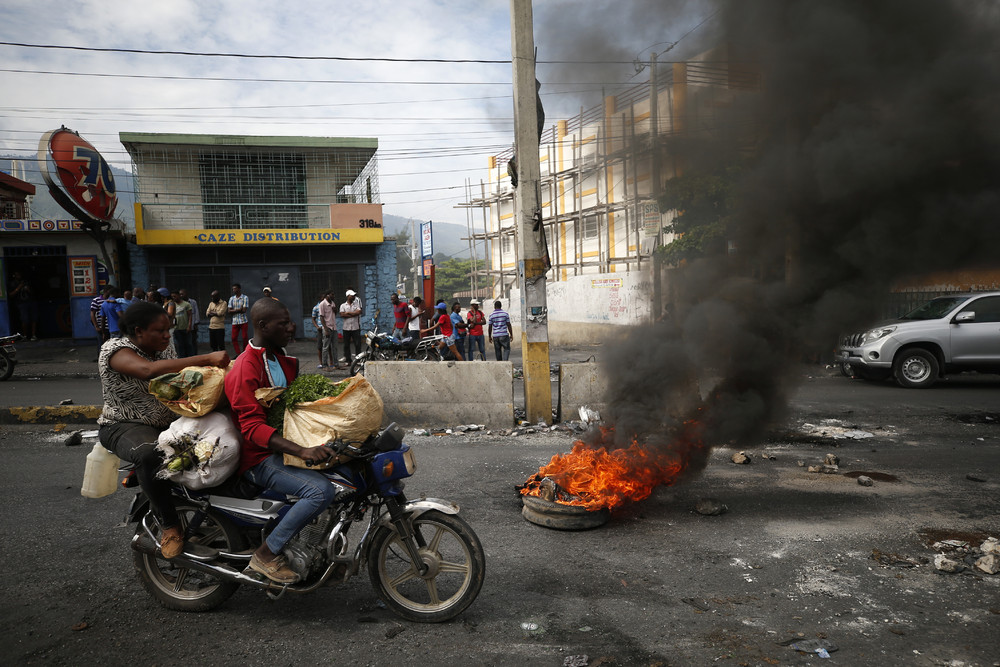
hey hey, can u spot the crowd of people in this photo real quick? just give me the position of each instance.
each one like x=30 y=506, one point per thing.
x=465 y=335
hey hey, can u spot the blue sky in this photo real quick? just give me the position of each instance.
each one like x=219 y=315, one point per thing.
x=433 y=135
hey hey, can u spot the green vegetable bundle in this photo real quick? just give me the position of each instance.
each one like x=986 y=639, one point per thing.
x=190 y=450
x=303 y=389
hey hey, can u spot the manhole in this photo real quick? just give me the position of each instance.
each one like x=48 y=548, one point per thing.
x=559 y=516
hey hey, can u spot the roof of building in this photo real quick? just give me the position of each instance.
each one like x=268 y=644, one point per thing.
x=16 y=184
x=246 y=141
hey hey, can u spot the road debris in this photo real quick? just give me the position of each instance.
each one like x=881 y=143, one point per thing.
x=944 y=564
x=710 y=507
x=834 y=428
x=66 y=401
x=976 y=477
x=865 y=480
x=831 y=460
x=74 y=439
x=825 y=469
x=742 y=458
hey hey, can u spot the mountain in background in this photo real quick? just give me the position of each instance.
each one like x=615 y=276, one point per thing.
x=448 y=237
x=44 y=207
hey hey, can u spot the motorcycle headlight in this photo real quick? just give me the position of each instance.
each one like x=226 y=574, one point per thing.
x=875 y=334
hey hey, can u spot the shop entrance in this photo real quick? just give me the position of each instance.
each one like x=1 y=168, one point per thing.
x=285 y=285
x=44 y=267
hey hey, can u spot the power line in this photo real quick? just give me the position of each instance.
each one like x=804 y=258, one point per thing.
x=209 y=54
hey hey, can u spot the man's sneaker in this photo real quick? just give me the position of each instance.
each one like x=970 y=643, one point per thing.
x=277 y=570
x=321 y=366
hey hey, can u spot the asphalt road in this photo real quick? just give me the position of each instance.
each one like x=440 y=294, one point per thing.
x=793 y=558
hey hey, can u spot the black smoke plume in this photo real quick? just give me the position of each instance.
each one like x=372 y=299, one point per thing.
x=872 y=153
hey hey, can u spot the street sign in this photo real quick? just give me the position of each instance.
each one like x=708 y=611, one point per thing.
x=426 y=240
x=651 y=218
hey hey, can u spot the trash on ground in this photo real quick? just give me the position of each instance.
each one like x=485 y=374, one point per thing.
x=66 y=401
x=741 y=458
x=864 y=480
x=75 y=438
x=832 y=428
x=710 y=507
x=944 y=564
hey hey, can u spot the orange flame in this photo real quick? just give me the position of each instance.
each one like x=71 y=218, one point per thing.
x=608 y=479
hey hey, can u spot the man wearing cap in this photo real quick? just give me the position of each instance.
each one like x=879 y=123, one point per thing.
x=350 y=315
x=475 y=319
x=401 y=314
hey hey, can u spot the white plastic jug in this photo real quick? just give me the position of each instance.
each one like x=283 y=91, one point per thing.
x=101 y=476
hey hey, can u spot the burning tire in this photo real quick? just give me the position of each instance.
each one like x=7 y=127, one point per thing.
x=560 y=516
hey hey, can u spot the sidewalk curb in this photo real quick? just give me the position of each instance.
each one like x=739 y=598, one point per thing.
x=50 y=414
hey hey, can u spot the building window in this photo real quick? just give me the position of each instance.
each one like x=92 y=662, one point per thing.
x=253 y=190
x=507 y=244
x=590 y=227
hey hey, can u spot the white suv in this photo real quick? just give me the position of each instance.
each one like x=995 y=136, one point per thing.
x=948 y=334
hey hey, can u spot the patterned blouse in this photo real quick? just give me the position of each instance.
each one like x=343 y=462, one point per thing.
x=126 y=398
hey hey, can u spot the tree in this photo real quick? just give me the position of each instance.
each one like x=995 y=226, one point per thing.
x=453 y=275
x=705 y=203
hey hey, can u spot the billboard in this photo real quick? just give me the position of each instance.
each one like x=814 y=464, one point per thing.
x=78 y=177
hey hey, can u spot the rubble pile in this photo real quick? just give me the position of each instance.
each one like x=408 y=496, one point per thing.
x=958 y=555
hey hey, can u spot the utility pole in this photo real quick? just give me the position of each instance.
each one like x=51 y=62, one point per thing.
x=531 y=265
x=654 y=141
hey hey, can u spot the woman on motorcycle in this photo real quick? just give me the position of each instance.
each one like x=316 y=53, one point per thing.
x=132 y=418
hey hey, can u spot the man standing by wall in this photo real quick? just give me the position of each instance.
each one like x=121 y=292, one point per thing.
x=500 y=331
x=475 y=319
x=350 y=315
x=328 y=320
x=401 y=314
x=195 y=320
x=416 y=312
x=238 y=305
x=216 y=314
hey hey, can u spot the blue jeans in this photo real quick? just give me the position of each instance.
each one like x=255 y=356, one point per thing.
x=314 y=491
x=476 y=341
x=501 y=345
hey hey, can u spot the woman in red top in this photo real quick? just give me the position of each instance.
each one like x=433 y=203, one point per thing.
x=444 y=324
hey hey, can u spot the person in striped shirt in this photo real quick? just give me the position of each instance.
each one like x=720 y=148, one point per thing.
x=500 y=331
x=239 y=304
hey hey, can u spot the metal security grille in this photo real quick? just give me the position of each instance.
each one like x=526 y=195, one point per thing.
x=253 y=191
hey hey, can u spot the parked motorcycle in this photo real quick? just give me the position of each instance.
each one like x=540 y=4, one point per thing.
x=8 y=355
x=425 y=562
x=380 y=346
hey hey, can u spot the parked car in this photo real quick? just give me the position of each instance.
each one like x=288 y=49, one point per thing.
x=949 y=334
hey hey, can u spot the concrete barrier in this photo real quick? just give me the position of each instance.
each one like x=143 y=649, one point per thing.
x=580 y=384
x=445 y=394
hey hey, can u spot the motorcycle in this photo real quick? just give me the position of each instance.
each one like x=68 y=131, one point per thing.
x=380 y=346
x=8 y=355
x=425 y=562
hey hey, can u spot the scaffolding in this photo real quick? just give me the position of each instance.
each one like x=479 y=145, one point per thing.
x=602 y=171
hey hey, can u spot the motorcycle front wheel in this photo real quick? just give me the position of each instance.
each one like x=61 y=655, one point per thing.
x=179 y=588
x=358 y=364
x=455 y=564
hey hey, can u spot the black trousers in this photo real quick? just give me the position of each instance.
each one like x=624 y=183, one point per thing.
x=136 y=443
x=217 y=339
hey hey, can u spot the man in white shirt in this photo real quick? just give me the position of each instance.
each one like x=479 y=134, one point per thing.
x=350 y=315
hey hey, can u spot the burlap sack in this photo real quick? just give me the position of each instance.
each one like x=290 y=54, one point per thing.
x=198 y=400
x=353 y=416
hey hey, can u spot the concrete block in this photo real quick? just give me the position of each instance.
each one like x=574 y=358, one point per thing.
x=443 y=394
x=580 y=384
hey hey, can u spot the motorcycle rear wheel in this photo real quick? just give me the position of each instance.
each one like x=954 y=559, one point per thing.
x=179 y=588
x=6 y=367
x=456 y=568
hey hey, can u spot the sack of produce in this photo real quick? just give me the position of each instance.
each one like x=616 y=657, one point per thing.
x=199 y=452
x=192 y=392
x=315 y=410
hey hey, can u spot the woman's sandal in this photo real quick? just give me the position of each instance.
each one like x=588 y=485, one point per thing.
x=172 y=542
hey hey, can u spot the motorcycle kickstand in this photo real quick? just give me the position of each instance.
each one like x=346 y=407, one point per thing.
x=276 y=596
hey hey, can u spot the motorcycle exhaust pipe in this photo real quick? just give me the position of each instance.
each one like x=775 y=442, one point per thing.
x=150 y=548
